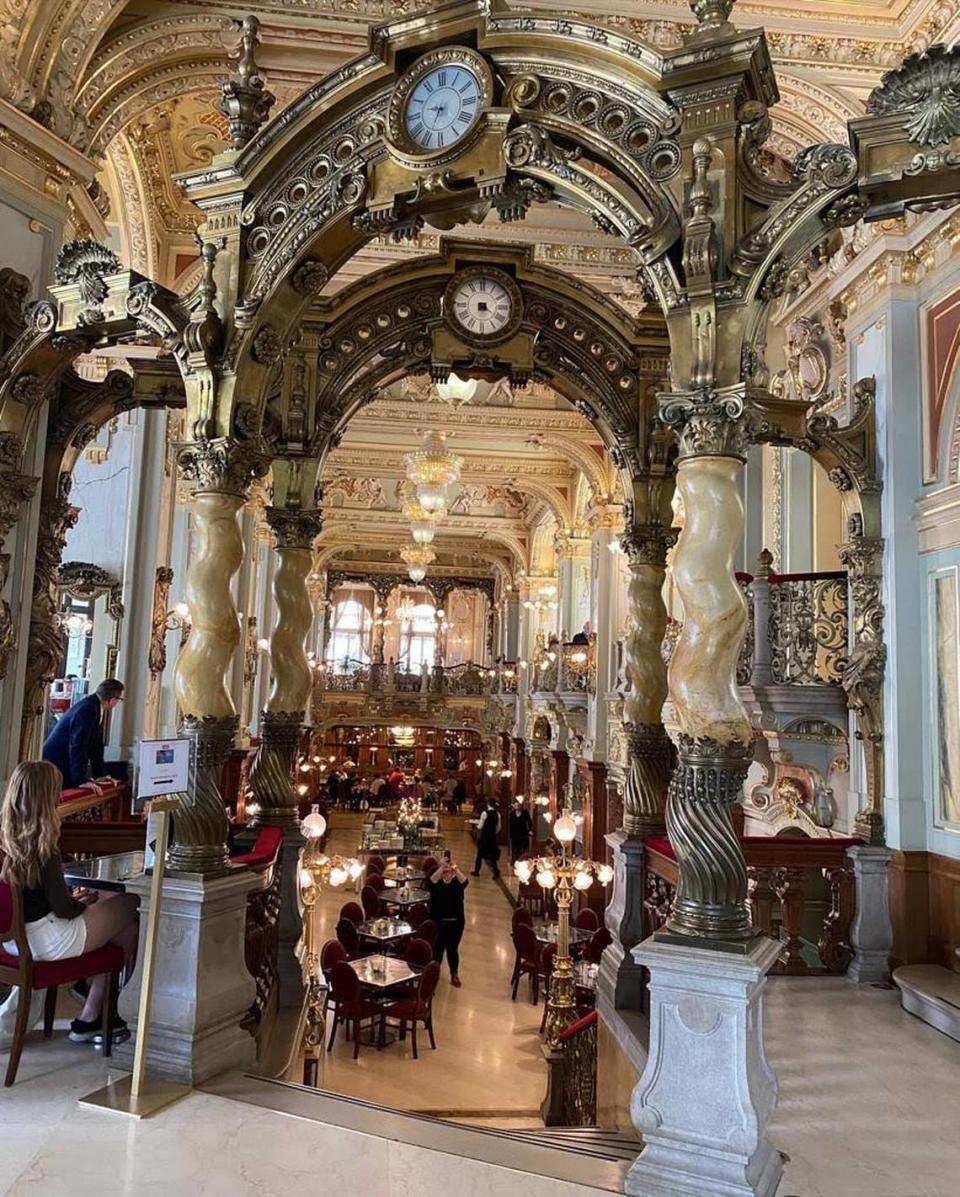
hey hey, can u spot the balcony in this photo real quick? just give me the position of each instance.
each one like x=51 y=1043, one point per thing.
x=567 y=671
x=357 y=677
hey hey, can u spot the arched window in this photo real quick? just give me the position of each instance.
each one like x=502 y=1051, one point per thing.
x=418 y=636
x=349 y=641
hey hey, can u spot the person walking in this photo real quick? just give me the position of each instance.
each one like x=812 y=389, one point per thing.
x=521 y=828
x=446 y=888
x=488 y=847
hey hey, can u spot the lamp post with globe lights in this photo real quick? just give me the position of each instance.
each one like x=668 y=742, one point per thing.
x=563 y=874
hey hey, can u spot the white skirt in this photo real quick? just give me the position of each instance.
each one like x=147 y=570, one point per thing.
x=54 y=938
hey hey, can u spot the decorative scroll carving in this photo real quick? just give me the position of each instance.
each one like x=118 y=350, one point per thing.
x=86 y=263
x=222 y=465
x=245 y=101
x=925 y=91
x=711 y=899
x=157 y=652
x=715 y=423
x=862 y=677
x=86 y=581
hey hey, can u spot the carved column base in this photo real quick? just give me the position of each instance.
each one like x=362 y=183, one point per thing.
x=710 y=909
x=651 y=765
x=272 y=767
x=871 y=933
x=707 y=1094
x=622 y=981
x=200 y=822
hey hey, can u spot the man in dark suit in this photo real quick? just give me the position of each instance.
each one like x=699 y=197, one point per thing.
x=75 y=745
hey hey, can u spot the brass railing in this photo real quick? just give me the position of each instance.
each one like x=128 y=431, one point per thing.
x=466 y=679
x=801 y=892
x=571 y=1098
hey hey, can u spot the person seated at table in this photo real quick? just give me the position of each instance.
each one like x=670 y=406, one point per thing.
x=75 y=745
x=446 y=888
x=59 y=925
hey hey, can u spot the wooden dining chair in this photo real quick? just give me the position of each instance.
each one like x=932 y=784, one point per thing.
x=376 y=883
x=417 y=1009
x=350 y=1007
x=371 y=902
x=527 y=961
x=349 y=938
x=29 y=974
x=587 y=920
x=418 y=914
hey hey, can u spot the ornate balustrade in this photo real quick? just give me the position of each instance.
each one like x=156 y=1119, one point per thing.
x=565 y=669
x=508 y=678
x=807 y=628
x=571 y=1098
x=801 y=892
x=465 y=680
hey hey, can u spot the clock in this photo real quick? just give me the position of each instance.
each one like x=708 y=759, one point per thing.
x=443 y=107
x=437 y=105
x=483 y=304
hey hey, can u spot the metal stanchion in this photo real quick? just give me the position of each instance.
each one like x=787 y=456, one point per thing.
x=135 y=1095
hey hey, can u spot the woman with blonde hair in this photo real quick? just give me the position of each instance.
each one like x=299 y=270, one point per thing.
x=58 y=925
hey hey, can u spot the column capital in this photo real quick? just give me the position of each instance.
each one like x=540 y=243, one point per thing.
x=647 y=544
x=222 y=465
x=294 y=527
x=710 y=422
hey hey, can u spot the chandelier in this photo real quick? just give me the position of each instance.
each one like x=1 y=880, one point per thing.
x=432 y=469
x=403 y=735
x=417 y=557
x=456 y=391
x=423 y=523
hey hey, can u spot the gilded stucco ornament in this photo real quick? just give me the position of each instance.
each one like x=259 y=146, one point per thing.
x=925 y=91
x=86 y=263
x=709 y=423
x=222 y=465
x=294 y=527
x=310 y=277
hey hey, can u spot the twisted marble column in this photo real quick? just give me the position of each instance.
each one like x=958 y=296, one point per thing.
x=271 y=773
x=651 y=753
x=715 y=738
x=222 y=470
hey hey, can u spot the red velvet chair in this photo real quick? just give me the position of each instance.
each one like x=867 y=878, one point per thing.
x=331 y=953
x=417 y=914
x=349 y=938
x=349 y=1004
x=527 y=961
x=521 y=915
x=587 y=920
x=376 y=883
x=29 y=974
x=429 y=931
x=418 y=954
x=352 y=911
x=418 y=1008
x=371 y=902
x=601 y=940
x=375 y=864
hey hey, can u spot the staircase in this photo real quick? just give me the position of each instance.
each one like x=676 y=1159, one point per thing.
x=588 y=1156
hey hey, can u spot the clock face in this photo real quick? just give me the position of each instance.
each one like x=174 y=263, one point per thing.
x=482 y=305
x=442 y=107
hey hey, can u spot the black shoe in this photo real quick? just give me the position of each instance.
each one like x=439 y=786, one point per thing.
x=474 y=874
x=92 y=1032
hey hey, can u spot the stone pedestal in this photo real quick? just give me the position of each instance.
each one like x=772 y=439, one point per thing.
x=707 y=1094
x=871 y=933
x=201 y=987
x=622 y=978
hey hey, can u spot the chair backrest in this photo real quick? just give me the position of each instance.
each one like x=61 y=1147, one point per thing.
x=429 y=979
x=371 y=901
x=6 y=910
x=522 y=915
x=332 y=952
x=345 y=983
x=375 y=864
x=428 y=930
x=601 y=940
x=417 y=914
x=352 y=911
x=348 y=937
x=547 y=959
x=418 y=953
x=525 y=941
x=376 y=883
x=430 y=866
x=12 y=929
x=587 y=920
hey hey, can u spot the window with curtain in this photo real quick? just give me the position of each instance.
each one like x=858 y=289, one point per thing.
x=350 y=628
x=418 y=635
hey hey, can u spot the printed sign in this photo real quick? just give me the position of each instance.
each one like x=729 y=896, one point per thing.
x=164 y=768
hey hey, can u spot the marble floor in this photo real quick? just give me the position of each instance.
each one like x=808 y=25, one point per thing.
x=488 y=1065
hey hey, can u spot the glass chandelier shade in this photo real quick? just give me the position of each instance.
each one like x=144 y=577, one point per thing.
x=417 y=557
x=433 y=469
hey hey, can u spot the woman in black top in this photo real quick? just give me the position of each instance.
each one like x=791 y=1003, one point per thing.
x=446 y=888
x=58 y=925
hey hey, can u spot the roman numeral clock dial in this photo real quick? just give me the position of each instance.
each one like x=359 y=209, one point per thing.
x=483 y=304
x=442 y=107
